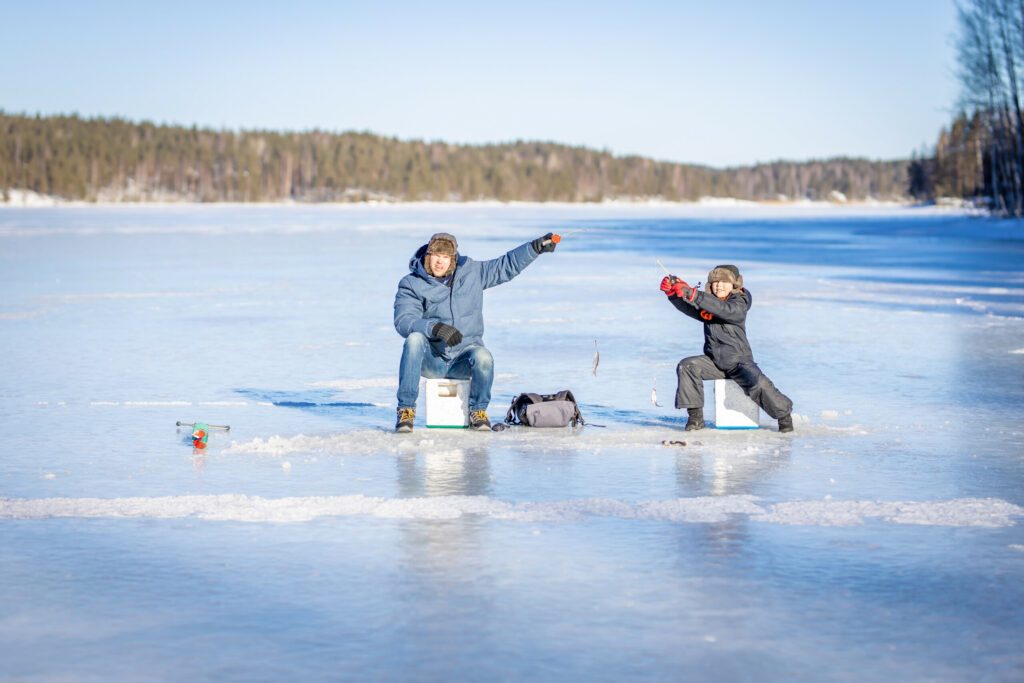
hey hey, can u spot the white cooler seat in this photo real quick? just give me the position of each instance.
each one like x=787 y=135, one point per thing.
x=447 y=403
x=733 y=408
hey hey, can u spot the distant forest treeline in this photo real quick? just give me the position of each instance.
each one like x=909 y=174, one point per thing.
x=118 y=160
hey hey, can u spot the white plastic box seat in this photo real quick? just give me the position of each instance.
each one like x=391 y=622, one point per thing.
x=447 y=403
x=733 y=408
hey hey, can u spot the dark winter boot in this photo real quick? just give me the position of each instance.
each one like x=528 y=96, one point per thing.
x=786 y=423
x=696 y=419
x=406 y=416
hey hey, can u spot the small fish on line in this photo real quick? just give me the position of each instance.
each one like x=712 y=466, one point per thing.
x=654 y=394
x=597 y=359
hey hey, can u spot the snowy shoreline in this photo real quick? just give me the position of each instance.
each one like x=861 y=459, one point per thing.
x=22 y=199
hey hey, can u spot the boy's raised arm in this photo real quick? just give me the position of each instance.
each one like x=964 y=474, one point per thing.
x=686 y=308
x=732 y=310
x=691 y=301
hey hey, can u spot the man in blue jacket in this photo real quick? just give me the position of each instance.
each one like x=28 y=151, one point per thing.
x=439 y=311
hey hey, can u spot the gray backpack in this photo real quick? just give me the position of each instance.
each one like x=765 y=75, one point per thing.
x=544 y=410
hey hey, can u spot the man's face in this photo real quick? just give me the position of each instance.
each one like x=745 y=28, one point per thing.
x=721 y=289
x=437 y=264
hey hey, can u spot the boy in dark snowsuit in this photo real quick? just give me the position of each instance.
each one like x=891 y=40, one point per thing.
x=727 y=355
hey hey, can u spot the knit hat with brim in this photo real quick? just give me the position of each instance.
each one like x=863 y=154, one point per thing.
x=725 y=273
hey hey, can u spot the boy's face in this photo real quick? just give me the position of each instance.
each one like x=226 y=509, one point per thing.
x=721 y=289
x=437 y=264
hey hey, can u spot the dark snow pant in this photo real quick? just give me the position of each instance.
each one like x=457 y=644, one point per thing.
x=694 y=370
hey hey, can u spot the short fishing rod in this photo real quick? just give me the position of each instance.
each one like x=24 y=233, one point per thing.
x=556 y=238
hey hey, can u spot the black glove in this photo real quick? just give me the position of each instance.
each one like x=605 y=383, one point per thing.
x=447 y=333
x=544 y=245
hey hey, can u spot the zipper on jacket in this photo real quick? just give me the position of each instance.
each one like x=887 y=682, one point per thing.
x=451 y=295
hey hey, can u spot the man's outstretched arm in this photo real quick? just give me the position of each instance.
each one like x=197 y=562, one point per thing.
x=501 y=270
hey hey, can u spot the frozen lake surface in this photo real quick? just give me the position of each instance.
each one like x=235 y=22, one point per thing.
x=882 y=540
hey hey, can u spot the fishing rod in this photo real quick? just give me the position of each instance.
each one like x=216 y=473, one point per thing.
x=201 y=432
x=195 y=424
x=671 y=278
x=557 y=237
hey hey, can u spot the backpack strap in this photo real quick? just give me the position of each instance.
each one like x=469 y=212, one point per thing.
x=510 y=416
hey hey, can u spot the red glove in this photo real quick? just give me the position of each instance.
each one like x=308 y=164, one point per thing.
x=668 y=283
x=673 y=286
x=684 y=291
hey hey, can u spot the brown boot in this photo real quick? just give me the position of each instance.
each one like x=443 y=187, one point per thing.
x=478 y=420
x=406 y=416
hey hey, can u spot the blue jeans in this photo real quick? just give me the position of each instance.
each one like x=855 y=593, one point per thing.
x=475 y=363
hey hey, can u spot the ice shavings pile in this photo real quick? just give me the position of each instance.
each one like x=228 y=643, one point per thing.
x=963 y=512
x=370 y=441
x=984 y=512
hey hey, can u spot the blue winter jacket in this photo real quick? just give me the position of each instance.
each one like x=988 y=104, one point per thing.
x=423 y=300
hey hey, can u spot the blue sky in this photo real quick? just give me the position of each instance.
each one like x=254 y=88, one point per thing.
x=718 y=83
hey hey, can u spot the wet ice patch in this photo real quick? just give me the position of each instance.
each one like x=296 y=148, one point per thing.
x=350 y=384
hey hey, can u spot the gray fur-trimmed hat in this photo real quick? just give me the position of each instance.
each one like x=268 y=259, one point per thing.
x=725 y=273
x=443 y=243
